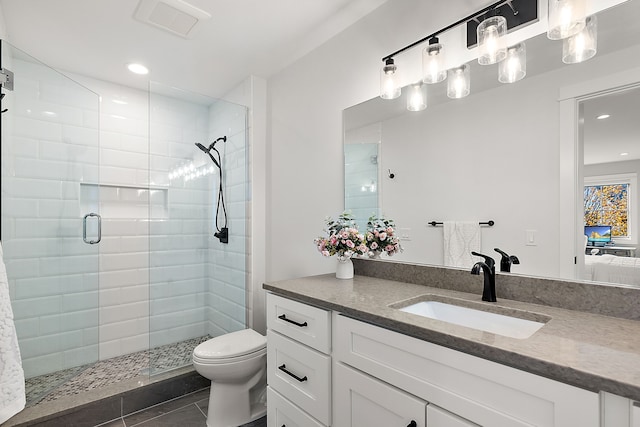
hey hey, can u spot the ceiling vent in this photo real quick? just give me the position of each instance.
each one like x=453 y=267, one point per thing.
x=175 y=16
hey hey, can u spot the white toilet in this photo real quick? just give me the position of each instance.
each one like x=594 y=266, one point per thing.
x=236 y=364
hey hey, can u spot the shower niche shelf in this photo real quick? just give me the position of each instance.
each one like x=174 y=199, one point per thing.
x=118 y=201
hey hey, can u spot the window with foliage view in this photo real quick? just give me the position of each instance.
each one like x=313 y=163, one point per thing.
x=608 y=204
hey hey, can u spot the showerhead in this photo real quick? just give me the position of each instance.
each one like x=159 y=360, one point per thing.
x=202 y=147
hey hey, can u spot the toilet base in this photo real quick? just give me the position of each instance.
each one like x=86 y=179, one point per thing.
x=231 y=406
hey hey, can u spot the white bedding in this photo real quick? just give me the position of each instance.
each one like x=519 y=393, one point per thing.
x=612 y=269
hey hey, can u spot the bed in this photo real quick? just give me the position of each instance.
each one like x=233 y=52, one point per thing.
x=612 y=269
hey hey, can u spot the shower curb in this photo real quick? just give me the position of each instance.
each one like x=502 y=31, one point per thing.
x=100 y=406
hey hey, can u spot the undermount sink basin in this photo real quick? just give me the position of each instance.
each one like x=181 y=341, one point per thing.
x=499 y=324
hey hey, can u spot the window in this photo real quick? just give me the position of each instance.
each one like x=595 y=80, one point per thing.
x=608 y=201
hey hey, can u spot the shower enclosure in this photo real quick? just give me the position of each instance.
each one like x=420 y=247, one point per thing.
x=107 y=222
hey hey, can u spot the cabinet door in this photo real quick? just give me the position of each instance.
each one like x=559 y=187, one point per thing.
x=437 y=417
x=281 y=413
x=362 y=401
x=635 y=414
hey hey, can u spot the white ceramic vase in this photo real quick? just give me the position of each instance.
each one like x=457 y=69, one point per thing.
x=344 y=268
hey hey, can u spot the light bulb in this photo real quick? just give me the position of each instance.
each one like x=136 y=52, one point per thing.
x=583 y=45
x=432 y=63
x=459 y=82
x=389 y=86
x=566 y=18
x=514 y=67
x=491 y=42
x=417 y=97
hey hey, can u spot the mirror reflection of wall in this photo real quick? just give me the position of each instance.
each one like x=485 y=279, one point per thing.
x=494 y=155
x=361 y=178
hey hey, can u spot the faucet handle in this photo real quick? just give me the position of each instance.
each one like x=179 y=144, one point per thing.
x=487 y=259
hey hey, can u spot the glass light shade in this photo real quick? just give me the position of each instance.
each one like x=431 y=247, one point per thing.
x=433 y=70
x=514 y=66
x=459 y=82
x=581 y=46
x=492 y=46
x=566 y=18
x=417 y=97
x=389 y=86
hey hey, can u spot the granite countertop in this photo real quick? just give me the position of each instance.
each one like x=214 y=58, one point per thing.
x=590 y=351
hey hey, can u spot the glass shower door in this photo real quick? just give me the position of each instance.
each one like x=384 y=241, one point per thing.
x=50 y=214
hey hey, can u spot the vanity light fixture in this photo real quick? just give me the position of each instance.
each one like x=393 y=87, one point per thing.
x=491 y=41
x=567 y=21
x=389 y=84
x=417 y=97
x=433 y=70
x=583 y=45
x=514 y=66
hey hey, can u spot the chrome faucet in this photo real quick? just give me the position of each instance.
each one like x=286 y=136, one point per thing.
x=489 y=269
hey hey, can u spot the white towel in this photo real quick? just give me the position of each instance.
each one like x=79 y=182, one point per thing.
x=460 y=238
x=12 y=392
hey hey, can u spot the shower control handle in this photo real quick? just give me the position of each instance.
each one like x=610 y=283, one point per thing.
x=283 y=368
x=284 y=317
x=84 y=228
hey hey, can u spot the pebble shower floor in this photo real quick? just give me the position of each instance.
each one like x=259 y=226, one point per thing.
x=49 y=387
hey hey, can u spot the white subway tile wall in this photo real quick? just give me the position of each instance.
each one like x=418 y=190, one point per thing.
x=50 y=145
x=158 y=276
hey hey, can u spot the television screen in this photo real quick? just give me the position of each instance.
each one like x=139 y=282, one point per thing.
x=598 y=233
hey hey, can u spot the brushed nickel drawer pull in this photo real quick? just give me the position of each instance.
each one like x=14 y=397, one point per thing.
x=283 y=368
x=284 y=317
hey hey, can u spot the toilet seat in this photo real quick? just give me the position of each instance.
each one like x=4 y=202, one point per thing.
x=234 y=346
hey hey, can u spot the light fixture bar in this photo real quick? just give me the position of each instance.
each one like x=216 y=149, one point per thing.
x=448 y=27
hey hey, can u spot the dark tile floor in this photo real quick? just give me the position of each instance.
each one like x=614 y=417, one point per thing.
x=187 y=411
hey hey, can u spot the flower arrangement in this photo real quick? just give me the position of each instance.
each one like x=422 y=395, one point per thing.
x=343 y=238
x=381 y=237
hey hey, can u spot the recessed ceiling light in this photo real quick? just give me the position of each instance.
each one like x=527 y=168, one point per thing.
x=138 y=68
x=624 y=154
x=119 y=101
x=603 y=116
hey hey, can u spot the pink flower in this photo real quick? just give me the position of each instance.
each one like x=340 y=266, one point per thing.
x=375 y=233
x=389 y=248
x=390 y=230
x=334 y=240
x=382 y=236
x=351 y=244
x=363 y=248
x=374 y=246
x=326 y=253
x=344 y=234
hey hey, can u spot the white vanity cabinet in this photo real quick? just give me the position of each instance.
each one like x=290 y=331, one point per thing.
x=326 y=369
x=459 y=387
x=298 y=364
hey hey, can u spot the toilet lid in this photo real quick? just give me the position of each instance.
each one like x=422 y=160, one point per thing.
x=231 y=345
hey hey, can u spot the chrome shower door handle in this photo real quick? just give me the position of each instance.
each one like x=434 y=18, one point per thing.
x=84 y=228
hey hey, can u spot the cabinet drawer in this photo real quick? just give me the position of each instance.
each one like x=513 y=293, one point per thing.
x=302 y=322
x=281 y=412
x=484 y=392
x=437 y=417
x=363 y=401
x=300 y=374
